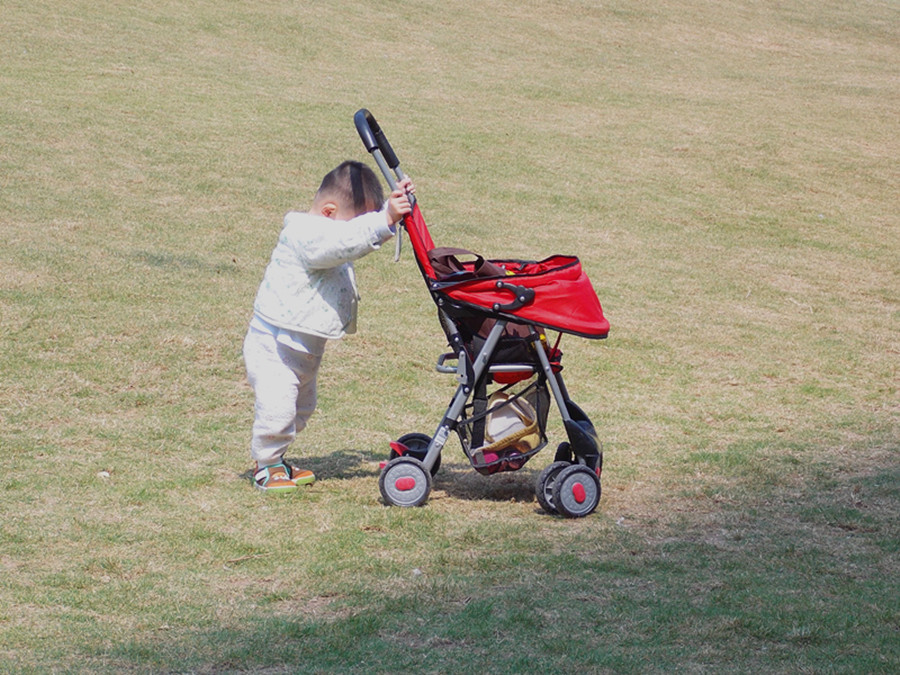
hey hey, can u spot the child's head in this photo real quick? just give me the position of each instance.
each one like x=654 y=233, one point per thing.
x=350 y=190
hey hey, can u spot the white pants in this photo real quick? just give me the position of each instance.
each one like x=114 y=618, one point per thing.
x=284 y=381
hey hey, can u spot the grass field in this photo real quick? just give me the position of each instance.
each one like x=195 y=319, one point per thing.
x=727 y=173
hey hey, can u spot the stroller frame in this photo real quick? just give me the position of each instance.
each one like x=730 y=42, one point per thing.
x=570 y=486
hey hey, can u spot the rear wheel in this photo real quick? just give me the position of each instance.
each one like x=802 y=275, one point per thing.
x=543 y=489
x=404 y=482
x=417 y=444
x=576 y=491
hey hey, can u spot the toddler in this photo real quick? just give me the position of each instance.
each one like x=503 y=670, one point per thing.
x=307 y=297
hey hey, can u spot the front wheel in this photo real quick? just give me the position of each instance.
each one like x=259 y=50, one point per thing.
x=576 y=491
x=404 y=482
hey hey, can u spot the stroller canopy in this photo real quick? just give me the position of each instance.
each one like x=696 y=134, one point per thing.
x=554 y=293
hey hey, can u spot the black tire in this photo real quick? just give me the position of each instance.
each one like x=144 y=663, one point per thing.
x=418 y=447
x=543 y=489
x=404 y=482
x=576 y=491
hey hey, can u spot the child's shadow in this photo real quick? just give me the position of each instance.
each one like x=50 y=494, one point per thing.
x=346 y=464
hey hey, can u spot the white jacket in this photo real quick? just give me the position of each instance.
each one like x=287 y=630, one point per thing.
x=309 y=285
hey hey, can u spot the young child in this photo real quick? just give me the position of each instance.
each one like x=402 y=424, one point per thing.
x=307 y=297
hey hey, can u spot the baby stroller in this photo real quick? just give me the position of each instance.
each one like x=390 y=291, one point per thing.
x=496 y=314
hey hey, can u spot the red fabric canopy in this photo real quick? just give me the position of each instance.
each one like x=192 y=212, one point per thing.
x=563 y=297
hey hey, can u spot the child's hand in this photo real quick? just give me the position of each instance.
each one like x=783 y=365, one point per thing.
x=398 y=203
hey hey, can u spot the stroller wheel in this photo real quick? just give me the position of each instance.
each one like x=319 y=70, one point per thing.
x=543 y=490
x=418 y=447
x=404 y=482
x=576 y=491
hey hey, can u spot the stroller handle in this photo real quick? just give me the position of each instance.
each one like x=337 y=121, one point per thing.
x=377 y=145
x=373 y=137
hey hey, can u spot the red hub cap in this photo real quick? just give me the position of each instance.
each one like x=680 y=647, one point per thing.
x=578 y=493
x=406 y=484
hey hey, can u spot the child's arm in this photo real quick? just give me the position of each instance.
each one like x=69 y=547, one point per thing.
x=322 y=243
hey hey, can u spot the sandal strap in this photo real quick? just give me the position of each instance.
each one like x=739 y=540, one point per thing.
x=264 y=475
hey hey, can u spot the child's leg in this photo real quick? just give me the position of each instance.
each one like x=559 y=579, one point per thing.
x=306 y=390
x=284 y=381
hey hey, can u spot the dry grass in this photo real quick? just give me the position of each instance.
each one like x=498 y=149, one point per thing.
x=727 y=173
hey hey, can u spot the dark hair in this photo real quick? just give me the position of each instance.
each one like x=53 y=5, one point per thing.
x=354 y=185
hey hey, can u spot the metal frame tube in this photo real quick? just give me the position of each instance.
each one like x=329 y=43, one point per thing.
x=554 y=380
x=461 y=397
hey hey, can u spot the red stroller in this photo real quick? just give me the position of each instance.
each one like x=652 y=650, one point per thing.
x=496 y=314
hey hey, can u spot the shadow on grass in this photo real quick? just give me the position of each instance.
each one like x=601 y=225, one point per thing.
x=463 y=482
x=795 y=582
x=455 y=479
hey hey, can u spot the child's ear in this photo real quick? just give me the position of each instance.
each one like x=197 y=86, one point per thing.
x=328 y=209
